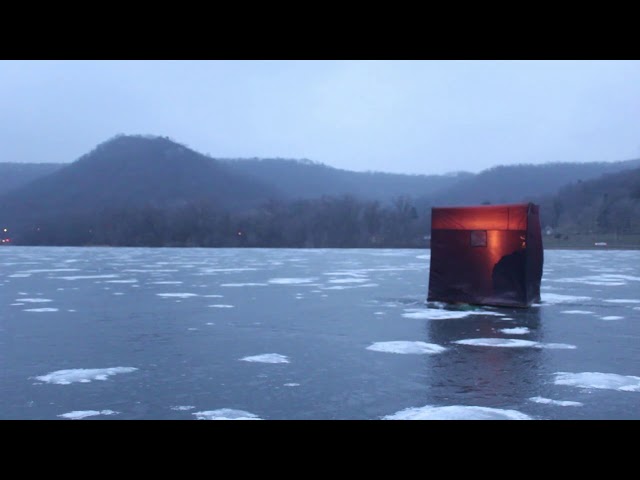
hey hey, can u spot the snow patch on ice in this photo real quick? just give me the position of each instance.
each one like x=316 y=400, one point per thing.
x=86 y=277
x=610 y=381
x=561 y=403
x=82 y=375
x=80 y=414
x=244 y=284
x=182 y=408
x=267 y=358
x=225 y=414
x=512 y=343
x=33 y=300
x=40 y=310
x=515 y=331
x=557 y=298
x=177 y=295
x=291 y=281
x=437 y=314
x=406 y=347
x=457 y=412
x=221 y=306
x=622 y=300
x=612 y=317
x=577 y=312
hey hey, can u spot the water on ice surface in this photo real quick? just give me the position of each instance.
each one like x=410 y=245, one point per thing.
x=188 y=353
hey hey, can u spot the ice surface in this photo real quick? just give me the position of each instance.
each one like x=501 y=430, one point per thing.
x=622 y=300
x=577 y=311
x=221 y=306
x=131 y=280
x=457 y=412
x=267 y=358
x=561 y=403
x=82 y=375
x=168 y=282
x=291 y=384
x=406 y=347
x=225 y=414
x=612 y=317
x=610 y=381
x=40 y=310
x=244 y=284
x=181 y=408
x=33 y=300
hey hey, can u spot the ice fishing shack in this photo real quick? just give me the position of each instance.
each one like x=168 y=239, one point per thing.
x=486 y=255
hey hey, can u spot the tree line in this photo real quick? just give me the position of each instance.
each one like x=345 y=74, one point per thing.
x=326 y=222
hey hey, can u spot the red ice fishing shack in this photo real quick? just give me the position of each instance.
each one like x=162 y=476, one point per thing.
x=486 y=255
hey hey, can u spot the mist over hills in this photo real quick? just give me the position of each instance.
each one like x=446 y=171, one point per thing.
x=145 y=190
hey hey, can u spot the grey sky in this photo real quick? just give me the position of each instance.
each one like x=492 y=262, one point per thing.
x=394 y=116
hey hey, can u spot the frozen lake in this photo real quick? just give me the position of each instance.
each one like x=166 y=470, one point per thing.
x=136 y=333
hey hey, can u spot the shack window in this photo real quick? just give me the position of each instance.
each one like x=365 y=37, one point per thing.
x=478 y=238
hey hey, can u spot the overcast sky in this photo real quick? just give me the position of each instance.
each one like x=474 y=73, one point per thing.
x=394 y=116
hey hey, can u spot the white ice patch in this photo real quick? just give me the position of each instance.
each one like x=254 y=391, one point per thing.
x=16 y=304
x=291 y=281
x=132 y=280
x=33 y=300
x=561 y=403
x=80 y=414
x=182 y=408
x=267 y=358
x=512 y=343
x=168 y=282
x=291 y=384
x=213 y=296
x=424 y=257
x=437 y=314
x=176 y=295
x=82 y=375
x=244 y=284
x=225 y=414
x=405 y=347
x=612 y=317
x=610 y=381
x=457 y=412
x=20 y=275
x=515 y=331
x=86 y=277
x=40 y=310
x=557 y=298
x=221 y=306
x=622 y=300
x=577 y=312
